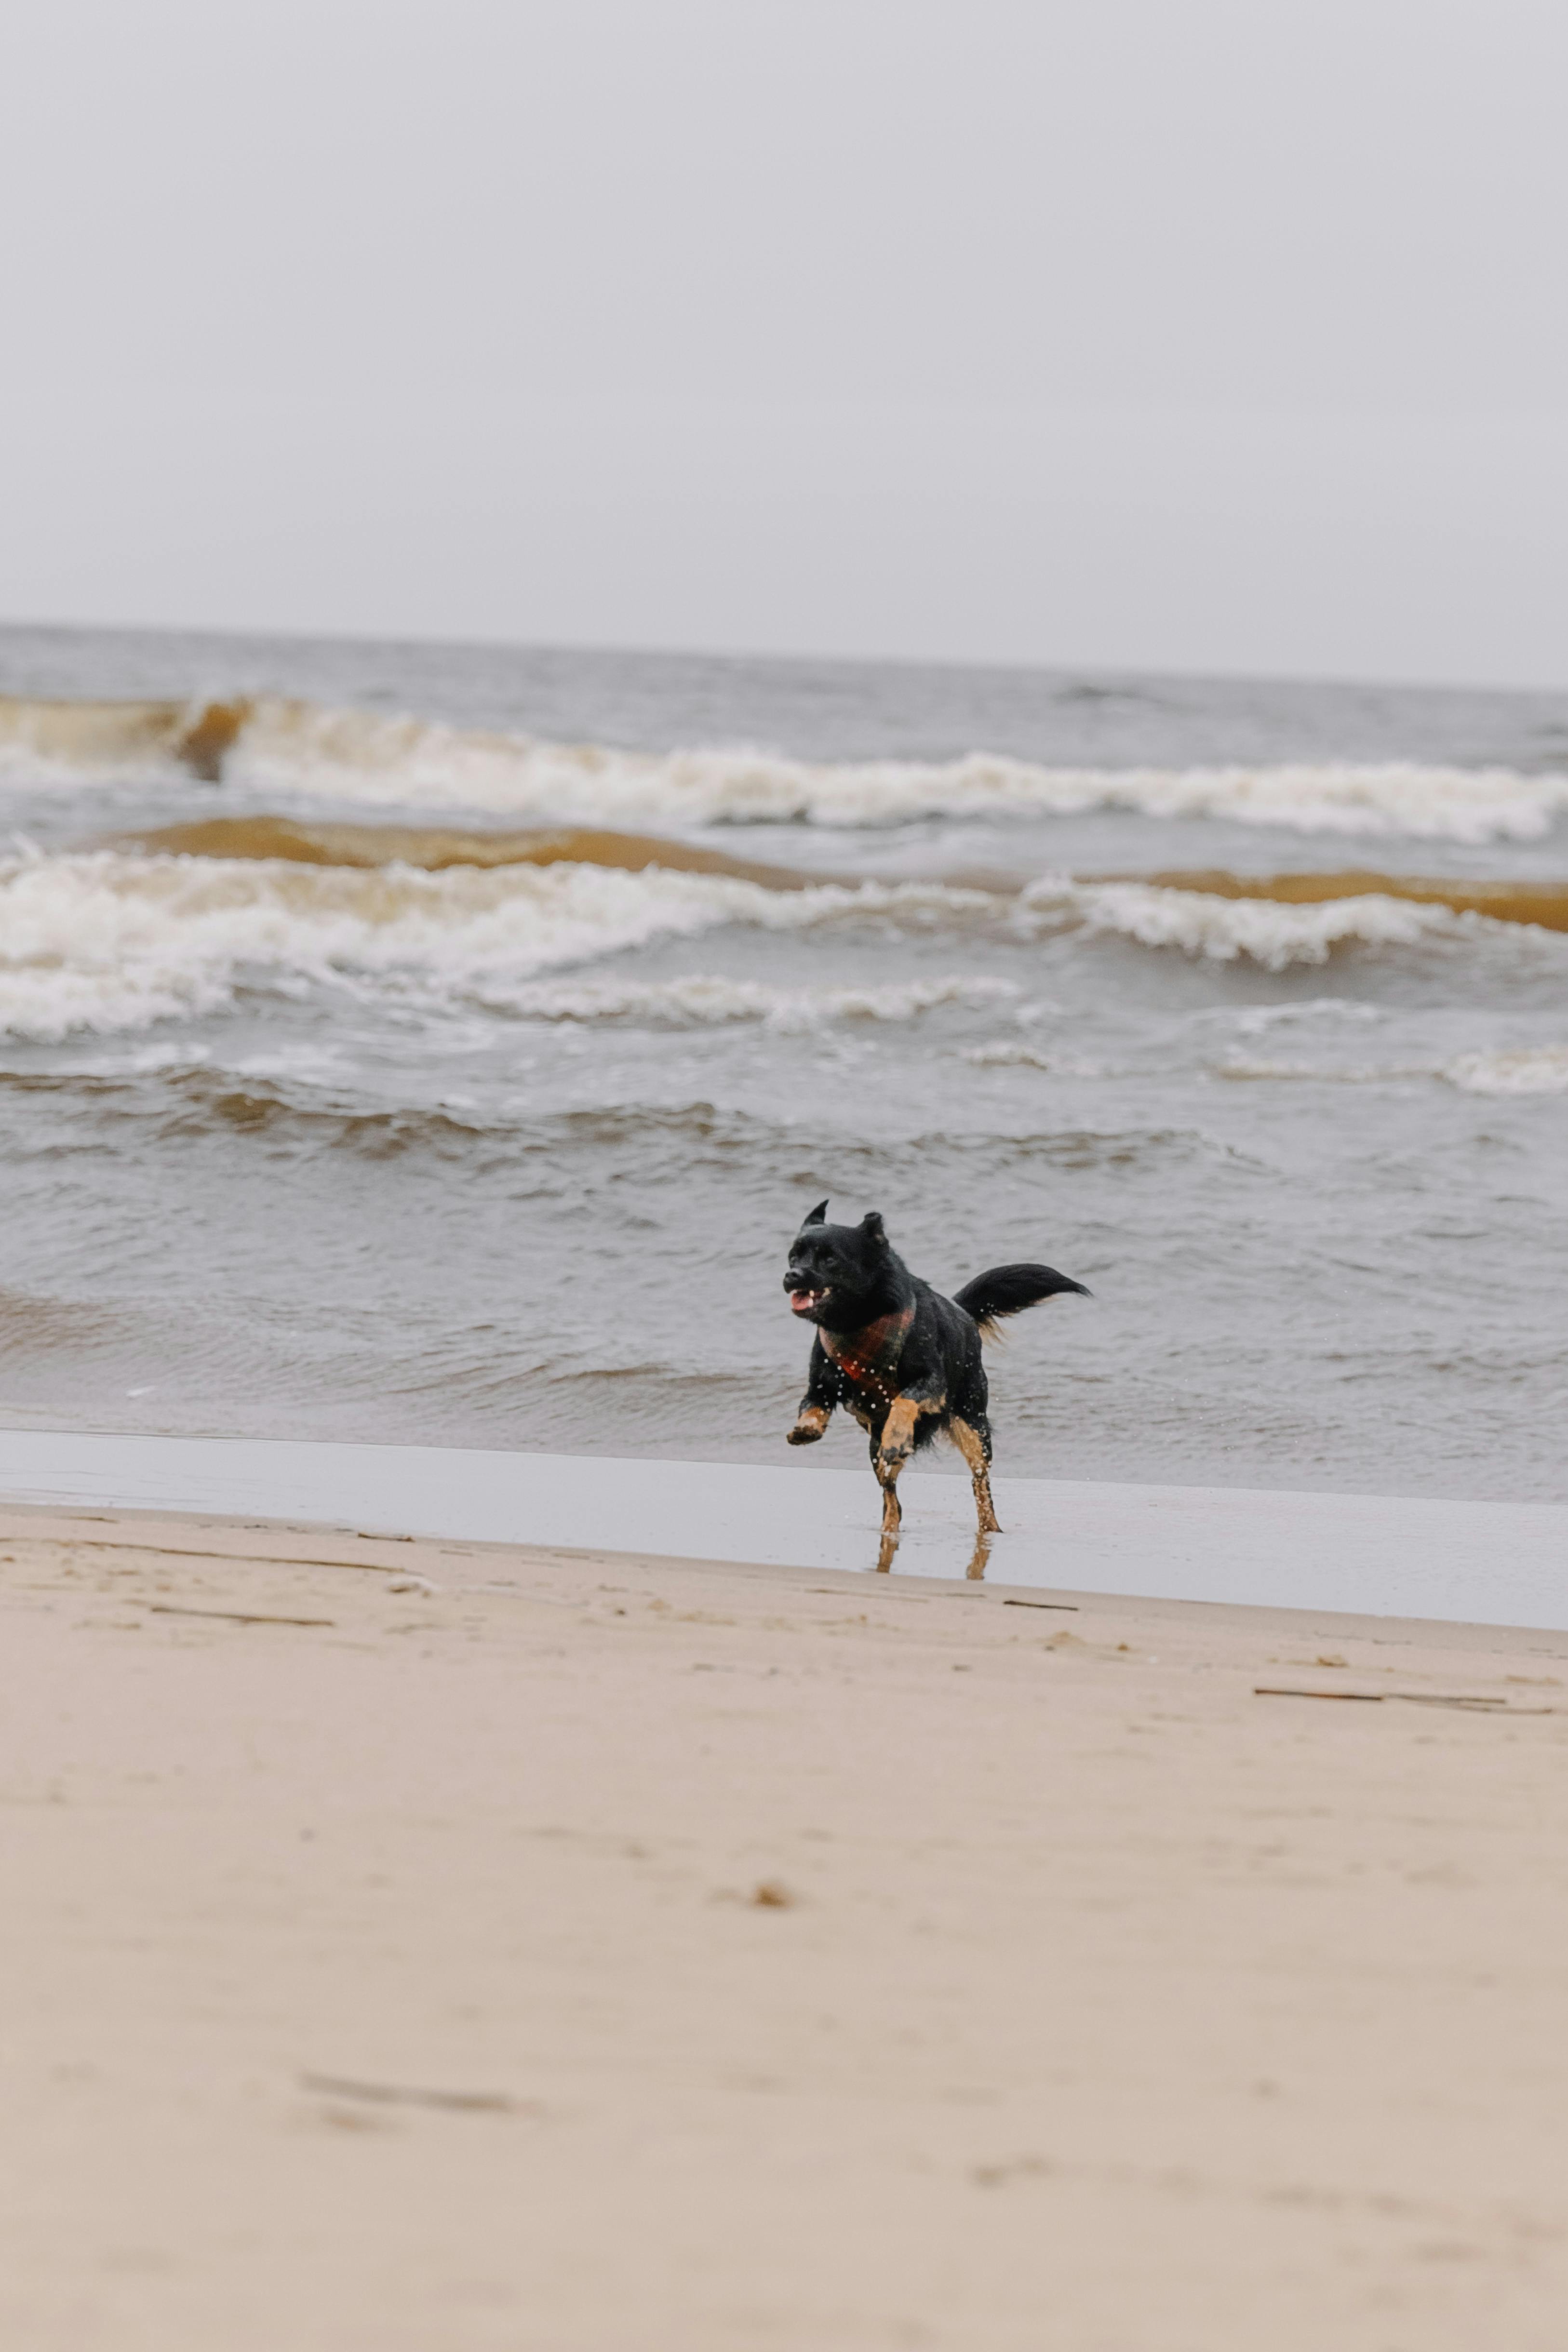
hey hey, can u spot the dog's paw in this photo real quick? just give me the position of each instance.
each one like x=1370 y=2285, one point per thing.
x=809 y=1427
x=890 y=1461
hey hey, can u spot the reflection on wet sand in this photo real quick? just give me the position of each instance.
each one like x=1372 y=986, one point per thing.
x=973 y=1573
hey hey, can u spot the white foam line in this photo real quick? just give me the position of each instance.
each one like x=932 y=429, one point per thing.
x=1504 y=1071
x=1264 y=930
x=713 y=1000
x=104 y=941
x=307 y=751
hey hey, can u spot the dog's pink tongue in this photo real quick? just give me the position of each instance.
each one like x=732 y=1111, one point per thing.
x=800 y=1300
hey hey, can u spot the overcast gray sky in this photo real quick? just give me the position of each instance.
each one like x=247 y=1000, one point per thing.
x=1219 y=334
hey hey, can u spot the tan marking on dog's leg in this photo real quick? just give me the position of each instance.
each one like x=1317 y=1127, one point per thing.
x=892 y=1453
x=810 y=1423
x=899 y=1429
x=885 y=1551
x=898 y=1437
x=971 y=1446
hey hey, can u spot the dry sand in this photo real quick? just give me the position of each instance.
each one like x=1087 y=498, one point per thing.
x=615 y=1955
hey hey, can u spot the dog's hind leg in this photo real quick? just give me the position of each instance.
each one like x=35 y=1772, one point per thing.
x=972 y=1443
x=891 y=1447
x=887 y=1479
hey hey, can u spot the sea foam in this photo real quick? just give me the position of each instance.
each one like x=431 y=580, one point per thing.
x=707 y=1000
x=1263 y=929
x=1515 y=1070
x=99 y=941
x=104 y=941
x=307 y=751
x=1503 y=1070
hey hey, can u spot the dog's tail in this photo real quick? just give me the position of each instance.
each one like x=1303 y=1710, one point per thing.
x=1008 y=1289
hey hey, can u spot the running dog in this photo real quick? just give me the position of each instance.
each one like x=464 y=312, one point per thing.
x=903 y=1360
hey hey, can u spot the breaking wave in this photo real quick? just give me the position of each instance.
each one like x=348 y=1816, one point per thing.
x=1543 y=903
x=101 y=942
x=105 y=940
x=1225 y=929
x=1519 y=1070
x=308 y=749
x=433 y=848
x=712 y=999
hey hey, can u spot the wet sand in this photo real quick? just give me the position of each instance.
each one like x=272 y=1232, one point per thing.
x=1383 y=1555
x=414 y=1945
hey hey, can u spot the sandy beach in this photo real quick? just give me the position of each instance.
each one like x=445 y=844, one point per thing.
x=436 y=1946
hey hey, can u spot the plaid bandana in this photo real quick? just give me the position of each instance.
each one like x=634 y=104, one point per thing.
x=871 y=1357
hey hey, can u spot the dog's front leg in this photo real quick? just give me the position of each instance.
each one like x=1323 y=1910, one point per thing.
x=816 y=1404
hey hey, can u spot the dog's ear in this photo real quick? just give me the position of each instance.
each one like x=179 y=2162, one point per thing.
x=872 y=1227
x=817 y=1217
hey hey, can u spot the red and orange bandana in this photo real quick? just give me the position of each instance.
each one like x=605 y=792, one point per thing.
x=870 y=1357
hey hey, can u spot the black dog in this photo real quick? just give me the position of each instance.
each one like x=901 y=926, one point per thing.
x=903 y=1360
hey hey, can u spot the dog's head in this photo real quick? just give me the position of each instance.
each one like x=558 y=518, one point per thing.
x=841 y=1275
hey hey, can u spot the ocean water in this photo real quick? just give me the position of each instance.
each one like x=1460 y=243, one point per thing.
x=441 y=1045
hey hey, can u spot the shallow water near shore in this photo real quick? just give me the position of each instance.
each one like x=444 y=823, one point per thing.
x=1374 y=1556
x=441 y=1045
